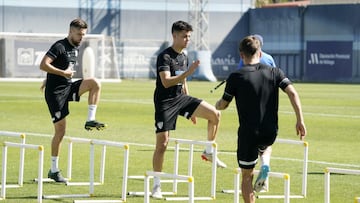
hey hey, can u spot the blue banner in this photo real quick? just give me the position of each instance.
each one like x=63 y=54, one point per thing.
x=329 y=61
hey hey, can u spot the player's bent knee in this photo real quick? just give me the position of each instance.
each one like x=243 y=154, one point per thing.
x=218 y=113
x=216 y=117
x=95 y=83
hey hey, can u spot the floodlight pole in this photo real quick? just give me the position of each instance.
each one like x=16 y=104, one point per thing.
x=199 y=19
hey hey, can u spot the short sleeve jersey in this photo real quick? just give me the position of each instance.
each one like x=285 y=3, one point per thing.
x=64 y=55
x=256 y=91
x=174 y=62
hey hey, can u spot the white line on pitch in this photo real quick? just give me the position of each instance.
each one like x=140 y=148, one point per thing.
x=324 y=114
x=150 y=102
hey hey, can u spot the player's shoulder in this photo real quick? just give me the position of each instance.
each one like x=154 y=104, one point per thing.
x=61 y=41
x=237 y=74
x=263 y=66
x=60 y=44
x=167 y=54
x=164 y=52
x=267 y=69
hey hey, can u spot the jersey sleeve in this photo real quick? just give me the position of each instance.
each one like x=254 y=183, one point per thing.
x=229 y=92
x=164 y=62
x=281 y=79
x=55 y=50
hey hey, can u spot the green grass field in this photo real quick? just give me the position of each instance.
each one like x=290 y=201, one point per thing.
x=332 y=116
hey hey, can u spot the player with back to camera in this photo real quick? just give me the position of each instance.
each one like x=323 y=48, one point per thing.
x=256 y=91
x=266 y=59
x=59 y=62
x=171 y=98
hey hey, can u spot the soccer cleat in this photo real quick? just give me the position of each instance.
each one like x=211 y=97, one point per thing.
x=265 y=188
x=90 y=125
x=56 y=176
x=208 y=157
x=156 y=192
x=261 y=183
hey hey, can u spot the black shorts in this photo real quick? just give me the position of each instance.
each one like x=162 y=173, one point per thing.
x=58 y=99
x=167 y=111
x=250 y=143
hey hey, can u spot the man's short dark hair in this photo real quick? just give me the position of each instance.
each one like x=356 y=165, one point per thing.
x=78 y=23
x=249 y=45
x=179 y=26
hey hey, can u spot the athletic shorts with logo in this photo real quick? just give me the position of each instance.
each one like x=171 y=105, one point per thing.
x=58 y=99
x=167 y=111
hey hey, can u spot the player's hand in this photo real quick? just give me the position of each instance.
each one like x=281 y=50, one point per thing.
x=194 y=66
x=42 y=87
x=193 y=119
x=301 y=130
x=69 y=73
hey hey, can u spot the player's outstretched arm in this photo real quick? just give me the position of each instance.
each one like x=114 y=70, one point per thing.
x=296 y=104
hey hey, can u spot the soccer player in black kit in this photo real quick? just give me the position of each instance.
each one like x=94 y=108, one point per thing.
x=59 y=62
x=171 y=99
x=256 y=91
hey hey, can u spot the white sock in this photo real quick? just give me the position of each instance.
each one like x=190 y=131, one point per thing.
x=265 y=157
x=156 y=180
x=54 y=164
x=209 y=149
x=265 y=160
x=91 y=112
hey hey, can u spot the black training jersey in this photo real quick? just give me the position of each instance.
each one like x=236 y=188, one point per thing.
x=176 y=63
x=64 y=55
x=256 y=91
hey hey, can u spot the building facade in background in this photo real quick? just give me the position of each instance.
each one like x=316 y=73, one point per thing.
x=310 y=42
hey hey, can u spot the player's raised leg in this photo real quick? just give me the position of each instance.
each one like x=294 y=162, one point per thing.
x=208 y=112
x=92 y=86
x=261 y=183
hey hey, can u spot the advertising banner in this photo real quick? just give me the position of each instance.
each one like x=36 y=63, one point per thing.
x=28 y=56
x=329 y=61
x=22 y=56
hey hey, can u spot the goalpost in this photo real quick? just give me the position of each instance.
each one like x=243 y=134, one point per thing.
x=21 y=54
